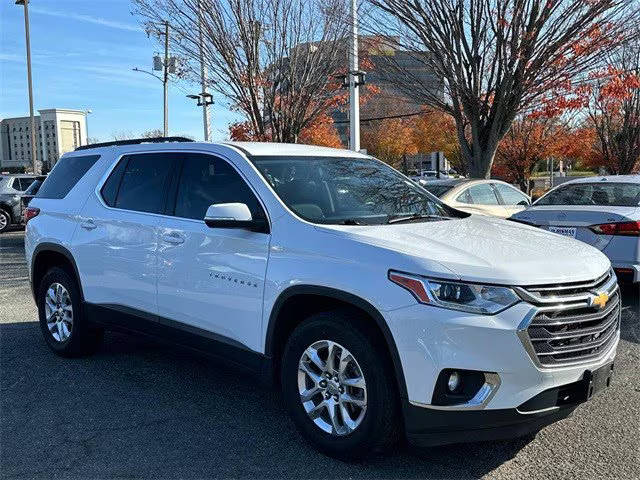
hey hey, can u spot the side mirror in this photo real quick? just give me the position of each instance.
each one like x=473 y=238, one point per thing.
x=524 y=203
x=233 y=215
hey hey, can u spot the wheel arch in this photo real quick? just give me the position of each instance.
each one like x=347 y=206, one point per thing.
x=307 y=299
x=47 y=255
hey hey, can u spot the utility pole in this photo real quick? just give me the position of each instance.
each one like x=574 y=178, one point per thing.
x=166 y=79
x=34 y=144
x=203 y=78
x=354 y=82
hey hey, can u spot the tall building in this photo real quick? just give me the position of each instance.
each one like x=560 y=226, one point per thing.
x=59 y=130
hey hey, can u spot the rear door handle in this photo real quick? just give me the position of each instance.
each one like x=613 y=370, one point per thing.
x=88 y=224
x=173 y=238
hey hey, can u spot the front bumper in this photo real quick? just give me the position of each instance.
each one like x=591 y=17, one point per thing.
x=431 y=339
x=429 y=427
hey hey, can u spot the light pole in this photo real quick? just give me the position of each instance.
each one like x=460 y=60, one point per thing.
x=203 y=78
x=34 y=145
x=204 y=99
x=166 y=79
x=87 y=112
x=167 y=66
x=354 y=83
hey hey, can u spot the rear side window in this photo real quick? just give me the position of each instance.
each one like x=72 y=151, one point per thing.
x=64 y=176
x=110 y=188
x=144 y=182
x=483 y=194
x=206 y=180
x=511 y=196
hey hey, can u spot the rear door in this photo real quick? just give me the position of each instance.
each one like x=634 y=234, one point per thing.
x=212 y=278
x=116 y=242
x=480 y=198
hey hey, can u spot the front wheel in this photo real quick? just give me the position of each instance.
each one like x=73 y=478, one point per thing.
x=338 y=387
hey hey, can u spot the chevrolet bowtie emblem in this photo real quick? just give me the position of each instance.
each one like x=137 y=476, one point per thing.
x=600 y=300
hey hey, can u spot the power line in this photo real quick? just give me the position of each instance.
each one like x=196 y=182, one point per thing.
x=373 y=119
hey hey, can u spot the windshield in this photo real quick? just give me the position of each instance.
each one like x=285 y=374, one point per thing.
x=348 y=191
x=603 y=194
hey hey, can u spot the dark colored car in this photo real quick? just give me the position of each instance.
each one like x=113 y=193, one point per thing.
x=29 y=193
x=12 y=187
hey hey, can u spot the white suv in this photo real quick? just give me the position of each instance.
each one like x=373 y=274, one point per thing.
x=379 y=310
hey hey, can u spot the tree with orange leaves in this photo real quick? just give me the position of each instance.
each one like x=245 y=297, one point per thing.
x=530 y=140
x=435 y=131
x=614 y=112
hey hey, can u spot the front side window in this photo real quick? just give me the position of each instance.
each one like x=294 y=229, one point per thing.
x=335 y=190
x=65 y=174
x=603 y=194
x=483 y=194
x=144 y=182
x=206 y=180
x=510 y=195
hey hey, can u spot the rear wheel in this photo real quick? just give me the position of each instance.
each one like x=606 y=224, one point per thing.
x=62 y=320
x=5 y=221
x=338 y=387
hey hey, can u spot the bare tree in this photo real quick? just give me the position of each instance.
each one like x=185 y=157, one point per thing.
x=614 y=111
x=499 y=58
x=274 y=61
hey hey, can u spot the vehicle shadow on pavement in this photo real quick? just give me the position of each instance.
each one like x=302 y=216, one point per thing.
x=630 y=326
x=144 y=409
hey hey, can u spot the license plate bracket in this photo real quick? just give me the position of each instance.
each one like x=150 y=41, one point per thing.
x=594 y=381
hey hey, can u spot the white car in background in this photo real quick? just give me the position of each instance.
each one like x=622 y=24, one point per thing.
x=601 y=211
x=484 y=197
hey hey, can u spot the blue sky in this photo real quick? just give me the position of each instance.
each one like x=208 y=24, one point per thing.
x=83 y=52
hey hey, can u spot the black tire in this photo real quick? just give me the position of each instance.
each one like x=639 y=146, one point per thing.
x=5 y=221
x=84 y=339
x=380 y=426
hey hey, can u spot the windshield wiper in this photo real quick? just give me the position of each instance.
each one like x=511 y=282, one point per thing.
x=415 y=216
x=350 y=221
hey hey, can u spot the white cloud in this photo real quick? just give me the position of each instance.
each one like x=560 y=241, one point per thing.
x=86 y=18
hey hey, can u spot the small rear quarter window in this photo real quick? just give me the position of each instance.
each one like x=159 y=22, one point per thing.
x=64 y=176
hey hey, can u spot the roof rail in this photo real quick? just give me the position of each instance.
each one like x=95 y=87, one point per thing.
x=134 y=141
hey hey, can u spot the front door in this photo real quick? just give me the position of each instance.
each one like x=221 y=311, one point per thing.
x=212 y=278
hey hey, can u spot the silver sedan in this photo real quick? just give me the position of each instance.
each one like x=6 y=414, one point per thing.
x=601 y=211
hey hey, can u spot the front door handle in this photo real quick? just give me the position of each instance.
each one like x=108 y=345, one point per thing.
x=173 y=238
x=88 y=224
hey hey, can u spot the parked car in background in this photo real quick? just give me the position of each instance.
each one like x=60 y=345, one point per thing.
x=601 y=211
x=29 y=193
x=485 y=197
x=12 y=186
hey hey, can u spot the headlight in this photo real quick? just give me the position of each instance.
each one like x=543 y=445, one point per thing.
x=467 y=297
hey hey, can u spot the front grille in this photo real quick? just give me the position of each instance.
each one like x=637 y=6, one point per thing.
x=566 y=327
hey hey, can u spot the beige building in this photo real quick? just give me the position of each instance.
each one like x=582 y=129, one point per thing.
x=59 y=131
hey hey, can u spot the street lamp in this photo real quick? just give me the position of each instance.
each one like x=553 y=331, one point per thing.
x=34 y=147
x=87 y=112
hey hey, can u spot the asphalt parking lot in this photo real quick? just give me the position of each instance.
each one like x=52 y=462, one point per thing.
x=139 y=409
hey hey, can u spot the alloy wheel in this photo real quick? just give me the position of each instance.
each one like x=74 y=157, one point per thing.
x=58 y=312
x=332 y=387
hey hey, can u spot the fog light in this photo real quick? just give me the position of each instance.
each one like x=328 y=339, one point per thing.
x=454 y=381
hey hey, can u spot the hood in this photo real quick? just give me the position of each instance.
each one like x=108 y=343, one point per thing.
x=485 y=249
